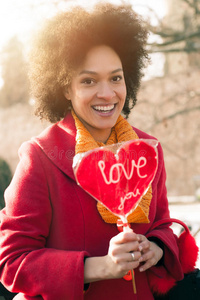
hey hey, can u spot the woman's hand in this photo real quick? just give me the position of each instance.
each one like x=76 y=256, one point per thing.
x=119 y=258
x=118 y=261
x=151 y=253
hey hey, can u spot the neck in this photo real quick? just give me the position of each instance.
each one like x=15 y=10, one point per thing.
x=100 y=137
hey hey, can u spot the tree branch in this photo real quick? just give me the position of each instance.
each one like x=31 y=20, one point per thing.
x=175 y=153
x=163 y=31
x=177 y=39
x=176 y=50
x=172 y=116
x=189 y=3
x=193 y=5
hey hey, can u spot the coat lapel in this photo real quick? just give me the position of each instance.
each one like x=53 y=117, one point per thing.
x=58 y=144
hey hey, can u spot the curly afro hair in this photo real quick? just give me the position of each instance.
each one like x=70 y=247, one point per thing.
x=63 y=43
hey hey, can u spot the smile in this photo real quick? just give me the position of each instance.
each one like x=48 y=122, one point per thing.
x=103 y=109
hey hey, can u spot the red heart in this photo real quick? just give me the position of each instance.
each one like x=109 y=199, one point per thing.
x=118 y=180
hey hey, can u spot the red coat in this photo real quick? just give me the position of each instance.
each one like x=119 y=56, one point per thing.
x=50 y=224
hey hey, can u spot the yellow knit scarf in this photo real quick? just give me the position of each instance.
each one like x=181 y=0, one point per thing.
x=121 y=132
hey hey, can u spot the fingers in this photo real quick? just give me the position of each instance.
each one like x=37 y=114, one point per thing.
x=144 y=243
x=147 y=255
x=115 y=249
x=127 y=258
x=125 y=262
x=128 y=251
x=124 y=237
x=121 y=251
x=120 y=264
x=148 y=259
x=151 y=253
x=124 y=242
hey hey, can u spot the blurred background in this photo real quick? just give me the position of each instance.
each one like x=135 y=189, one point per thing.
x=168 y=104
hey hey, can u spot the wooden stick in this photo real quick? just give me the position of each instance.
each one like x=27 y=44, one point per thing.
x=133 y=282
x=125 y=227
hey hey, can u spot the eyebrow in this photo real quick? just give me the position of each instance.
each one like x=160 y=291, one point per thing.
x=95 y=73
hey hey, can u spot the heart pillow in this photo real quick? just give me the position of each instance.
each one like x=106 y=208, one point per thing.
x=118 y=180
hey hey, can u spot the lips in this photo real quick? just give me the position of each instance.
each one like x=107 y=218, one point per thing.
x=104 y=108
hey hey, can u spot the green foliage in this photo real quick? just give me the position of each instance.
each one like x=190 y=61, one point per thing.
x=14 y=74
x=5 y=178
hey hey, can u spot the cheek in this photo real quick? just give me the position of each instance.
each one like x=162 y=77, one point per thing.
x=122 y=92
x=85 y=95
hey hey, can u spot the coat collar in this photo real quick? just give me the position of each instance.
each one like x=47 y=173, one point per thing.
x=58 y=144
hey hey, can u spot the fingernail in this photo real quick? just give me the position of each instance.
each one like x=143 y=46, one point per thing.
x=141 y=269
x=140 y=248
x=140 y=259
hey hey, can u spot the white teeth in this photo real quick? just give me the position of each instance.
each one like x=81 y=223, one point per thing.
x=104 y=108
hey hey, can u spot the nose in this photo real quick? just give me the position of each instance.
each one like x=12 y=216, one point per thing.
x=105 y=91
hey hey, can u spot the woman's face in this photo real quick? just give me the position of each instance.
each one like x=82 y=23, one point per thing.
x=98 y=91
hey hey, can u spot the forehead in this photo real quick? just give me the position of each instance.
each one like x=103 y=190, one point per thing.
x=101 y=57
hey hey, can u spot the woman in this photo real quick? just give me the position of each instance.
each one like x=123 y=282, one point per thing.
x=56 y=242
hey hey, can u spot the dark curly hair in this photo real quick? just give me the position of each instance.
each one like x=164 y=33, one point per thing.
x=64 y=42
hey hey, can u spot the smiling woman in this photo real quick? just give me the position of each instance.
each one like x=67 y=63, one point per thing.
x=74 y=39
x=97 y=91
x=55 y=242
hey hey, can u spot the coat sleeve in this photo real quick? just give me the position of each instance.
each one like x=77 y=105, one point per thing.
x=26 y=265
x=162 y=278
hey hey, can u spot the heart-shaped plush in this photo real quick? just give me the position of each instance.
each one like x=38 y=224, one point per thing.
x=118 y=180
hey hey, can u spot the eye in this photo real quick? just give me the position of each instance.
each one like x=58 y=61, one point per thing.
x=87 y=81
x=117 y=78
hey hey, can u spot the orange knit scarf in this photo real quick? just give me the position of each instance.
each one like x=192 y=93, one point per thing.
x=122 y=131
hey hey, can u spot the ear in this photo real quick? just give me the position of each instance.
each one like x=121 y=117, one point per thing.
x=66 y=93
